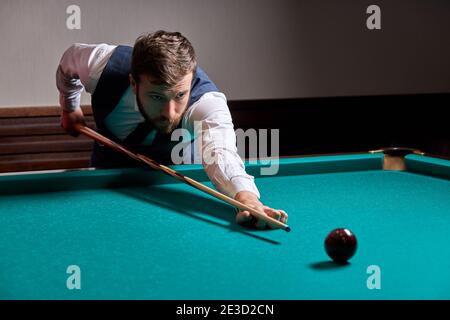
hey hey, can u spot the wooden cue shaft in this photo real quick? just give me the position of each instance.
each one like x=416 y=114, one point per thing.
x=157 y=166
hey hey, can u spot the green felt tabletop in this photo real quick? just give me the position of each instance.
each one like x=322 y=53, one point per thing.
x=166 y=240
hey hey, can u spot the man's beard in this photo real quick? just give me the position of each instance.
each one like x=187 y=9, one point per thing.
x=164 y=125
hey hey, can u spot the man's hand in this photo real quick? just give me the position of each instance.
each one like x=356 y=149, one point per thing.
x=70 y=119
x=246 y=219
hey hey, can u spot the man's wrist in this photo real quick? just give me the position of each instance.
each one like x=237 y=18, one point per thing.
x=243 y=183
x=69 y=104
x=246 y=195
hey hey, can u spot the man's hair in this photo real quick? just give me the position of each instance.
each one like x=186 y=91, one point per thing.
x=165 y=56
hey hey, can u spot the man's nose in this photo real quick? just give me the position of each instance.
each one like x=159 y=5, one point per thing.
x=169 y=110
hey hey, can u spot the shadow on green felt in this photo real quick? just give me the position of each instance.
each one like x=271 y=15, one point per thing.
x=193 y=206
x=328 y=265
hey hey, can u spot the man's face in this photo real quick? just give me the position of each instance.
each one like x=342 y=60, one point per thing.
x=162 y=106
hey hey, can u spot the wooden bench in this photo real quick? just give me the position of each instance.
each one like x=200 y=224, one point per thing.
x=31 y=138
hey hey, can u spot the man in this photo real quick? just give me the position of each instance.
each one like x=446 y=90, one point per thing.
x=140 y=95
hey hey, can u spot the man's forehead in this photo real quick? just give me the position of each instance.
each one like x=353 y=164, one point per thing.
x=184 y=84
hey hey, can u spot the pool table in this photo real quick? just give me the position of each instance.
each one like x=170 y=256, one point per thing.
x=139 y=234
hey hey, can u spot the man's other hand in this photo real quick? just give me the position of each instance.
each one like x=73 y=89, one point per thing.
x=70 y=119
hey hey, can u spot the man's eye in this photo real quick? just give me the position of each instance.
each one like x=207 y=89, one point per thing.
x=180 y=95
x=156 y=97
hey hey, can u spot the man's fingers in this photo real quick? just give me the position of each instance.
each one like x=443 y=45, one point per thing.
x=279 y=215
x=275 y=214
x=244 y=218
x=284 y=216
x=72 y=132
x=69 y=120
x=260 y=224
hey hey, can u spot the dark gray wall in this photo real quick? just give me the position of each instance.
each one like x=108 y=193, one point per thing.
x=252 y=49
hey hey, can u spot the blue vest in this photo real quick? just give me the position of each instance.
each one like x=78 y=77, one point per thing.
x=112 y=85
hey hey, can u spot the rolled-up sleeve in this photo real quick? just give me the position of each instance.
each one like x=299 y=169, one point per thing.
x=79 y=69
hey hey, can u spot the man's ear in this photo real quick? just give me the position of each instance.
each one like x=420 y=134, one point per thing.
x=133 y=83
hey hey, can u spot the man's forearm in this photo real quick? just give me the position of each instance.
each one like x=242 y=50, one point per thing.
x=70 y=88
x=228 y=175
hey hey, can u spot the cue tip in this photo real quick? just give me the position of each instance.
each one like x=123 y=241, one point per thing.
x=287 y=229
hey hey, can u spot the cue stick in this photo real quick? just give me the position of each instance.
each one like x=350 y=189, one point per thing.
x=157 y=166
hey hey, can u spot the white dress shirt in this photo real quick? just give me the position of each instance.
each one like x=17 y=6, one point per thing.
x=80 y=69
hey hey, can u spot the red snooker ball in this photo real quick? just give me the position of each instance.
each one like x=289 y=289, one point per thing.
x=340 y=245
